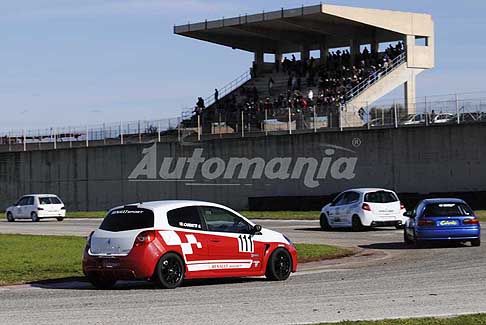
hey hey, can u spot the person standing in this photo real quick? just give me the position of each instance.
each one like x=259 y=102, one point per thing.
x=270 y=86
x=216 y=95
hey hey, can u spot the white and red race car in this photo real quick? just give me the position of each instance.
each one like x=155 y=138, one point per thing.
x=169 y=241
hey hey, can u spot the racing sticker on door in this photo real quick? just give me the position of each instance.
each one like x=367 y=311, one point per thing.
x=245 y=243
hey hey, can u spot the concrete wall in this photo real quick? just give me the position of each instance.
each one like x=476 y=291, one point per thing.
x=412 y=160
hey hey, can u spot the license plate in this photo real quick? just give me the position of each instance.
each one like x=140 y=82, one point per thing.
x=447 y=223
x=109 y=264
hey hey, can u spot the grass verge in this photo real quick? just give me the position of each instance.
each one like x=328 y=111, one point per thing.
x=476 y=319
x=85 y=214
x=311 y=252
x=33 y=258
x=26 y=258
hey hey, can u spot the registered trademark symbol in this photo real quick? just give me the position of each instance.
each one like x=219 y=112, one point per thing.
x=356 y=142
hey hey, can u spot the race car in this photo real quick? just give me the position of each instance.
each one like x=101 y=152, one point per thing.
x=442 y=220
x=363 y=208
x=169 y=241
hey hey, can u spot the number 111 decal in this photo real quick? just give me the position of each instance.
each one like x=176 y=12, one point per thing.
x=245 y=244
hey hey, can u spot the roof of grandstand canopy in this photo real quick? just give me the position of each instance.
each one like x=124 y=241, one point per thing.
x=286 y=31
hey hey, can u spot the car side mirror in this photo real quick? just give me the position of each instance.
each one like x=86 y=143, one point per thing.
x=256 y=229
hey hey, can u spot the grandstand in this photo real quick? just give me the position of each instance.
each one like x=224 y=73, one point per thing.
x=331 y=62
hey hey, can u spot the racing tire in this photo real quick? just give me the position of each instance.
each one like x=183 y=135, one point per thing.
x=325 y=223
x=357 y=225
x=102 y=283
x=417 y=243
x=10 y=217
x=60 y=219
x=169 y=272
x=34 y=217
x=279 y=265
x=476 y=242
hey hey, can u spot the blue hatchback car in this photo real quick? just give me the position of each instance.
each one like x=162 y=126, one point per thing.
x=442 y=219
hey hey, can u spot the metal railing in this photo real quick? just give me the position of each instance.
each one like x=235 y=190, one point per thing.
x=223 y=91
x=430 y=111
x=375 y=77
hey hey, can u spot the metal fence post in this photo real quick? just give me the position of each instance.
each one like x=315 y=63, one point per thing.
x=179 y=121
x=290 y=121
x=121 y=132
x=198 y=127
x=220 y=130
x=24 y=138
x=341 y=117
x=104 y=134
x=71 y=135
x=139 y=133
x=368 y=113
x=457 y=110
x=265 y=122
x=395 y=113
x=242 y=124
x=315 y=118
x=158 y=131
x=55 y=138
x=426 y=112
x=87 y=136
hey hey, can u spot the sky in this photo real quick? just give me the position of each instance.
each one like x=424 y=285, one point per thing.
x=74 y=63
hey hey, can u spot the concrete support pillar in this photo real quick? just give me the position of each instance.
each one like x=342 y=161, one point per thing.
x=259 y=57
x=410 y=95
x=324 y=49
x=375 y=45
x=354 y=50
x=278 y=58
x=410 y=49
x=304 y=53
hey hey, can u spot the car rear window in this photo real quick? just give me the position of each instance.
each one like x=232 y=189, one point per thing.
x=380 y=197
x=49 y=200
x=128 y=219
x=447 y=210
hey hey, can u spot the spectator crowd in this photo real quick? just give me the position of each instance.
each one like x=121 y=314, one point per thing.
x=312 y=85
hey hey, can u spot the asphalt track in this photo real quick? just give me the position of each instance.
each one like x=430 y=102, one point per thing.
x=385 y=280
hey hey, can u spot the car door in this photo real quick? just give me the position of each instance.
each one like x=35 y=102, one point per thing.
x=332 y=211
x=232 y=246
x=350 y=203
x=20 y=211
x=29 y=207
x=341 y=210
x=189 y=234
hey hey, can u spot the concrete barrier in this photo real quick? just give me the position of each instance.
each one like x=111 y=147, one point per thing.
x=439 y=159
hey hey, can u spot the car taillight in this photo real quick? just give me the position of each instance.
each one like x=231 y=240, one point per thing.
x=473 y=221
x=426 y=223
x=88 y=241
x=144 y=238
x=402 y=206
x=366 y=207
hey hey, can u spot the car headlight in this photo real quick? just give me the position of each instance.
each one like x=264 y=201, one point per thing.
x=288 y=239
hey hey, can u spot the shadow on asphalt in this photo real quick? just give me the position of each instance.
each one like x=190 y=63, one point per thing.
x=83 y=284
x=403 y=246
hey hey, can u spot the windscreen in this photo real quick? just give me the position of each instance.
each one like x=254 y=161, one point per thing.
x=380 y=197
x=447 y=210
x=49 y=200
x=128 y=219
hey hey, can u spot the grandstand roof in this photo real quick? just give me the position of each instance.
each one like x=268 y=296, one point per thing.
x=286 y=31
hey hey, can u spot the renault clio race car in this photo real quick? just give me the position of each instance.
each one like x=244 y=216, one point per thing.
x=169 y=241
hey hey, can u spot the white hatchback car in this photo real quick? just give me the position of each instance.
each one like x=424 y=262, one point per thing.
x=362 y=208
x=36 y=207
